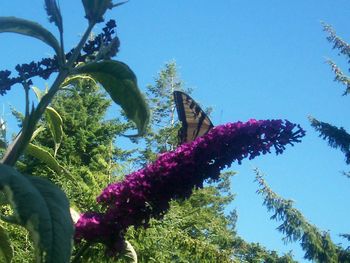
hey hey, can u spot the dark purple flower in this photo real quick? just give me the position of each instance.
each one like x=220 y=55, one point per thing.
x=146 y=193
x=47 y=66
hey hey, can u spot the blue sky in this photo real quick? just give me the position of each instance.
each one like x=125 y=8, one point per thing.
x=246 y=59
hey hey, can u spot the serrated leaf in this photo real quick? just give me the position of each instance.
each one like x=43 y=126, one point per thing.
x=29 y=28
x=44 y=156
x=6 y=249
x=43 y=209
x=56 y=126
x=121 y=84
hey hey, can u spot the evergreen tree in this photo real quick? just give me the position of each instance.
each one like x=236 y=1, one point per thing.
x=87 y=153
x=336 y=137
x=316 y=244
x=87 y=150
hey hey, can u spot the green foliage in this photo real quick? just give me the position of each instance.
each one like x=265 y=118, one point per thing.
x=121 y=84
x=317 y=245
x=44 y=156
x=255 y=253
x=29 y=28
x=43 y=210
x=162 y=133
x=54 y=121
x=6 y=250
x=193 y=230
x=86 y=150
x=54 y=13
x=336 y=137
x=95 y=9
x=32 y=201
x=344 y=48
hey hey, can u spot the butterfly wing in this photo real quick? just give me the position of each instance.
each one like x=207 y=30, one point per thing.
x=194 y=121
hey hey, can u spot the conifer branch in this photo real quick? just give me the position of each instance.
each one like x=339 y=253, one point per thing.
x=340 y=76
x=337 y=42
x=317 y=244
x=336 y=137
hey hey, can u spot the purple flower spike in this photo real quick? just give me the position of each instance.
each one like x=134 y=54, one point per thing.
x=146 y=193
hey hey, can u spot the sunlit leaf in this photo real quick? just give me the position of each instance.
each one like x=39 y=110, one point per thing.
x=56 y=126
x=37 y=131
x=29 y=28
x=74 y=80
x=43 y=209
x=38 y=93
x=74 y=215
x=121 y=84
x=129 y=254
x=44 y=156
x=6 y=250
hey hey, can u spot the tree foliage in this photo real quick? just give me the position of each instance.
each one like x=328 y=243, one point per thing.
x=316 y=244
x=336 y=137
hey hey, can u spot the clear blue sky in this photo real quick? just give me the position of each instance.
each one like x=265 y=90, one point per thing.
x=246 y=59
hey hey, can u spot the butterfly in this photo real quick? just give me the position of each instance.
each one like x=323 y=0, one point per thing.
x=194 y=121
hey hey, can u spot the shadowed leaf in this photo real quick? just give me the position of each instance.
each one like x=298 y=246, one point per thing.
x=54 y=13
x=43 y=209
x=44 y=156
x=121 y=84
x=29 y=28
x=6 y=249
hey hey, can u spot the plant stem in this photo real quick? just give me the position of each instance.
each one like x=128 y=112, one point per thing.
x=15 y=150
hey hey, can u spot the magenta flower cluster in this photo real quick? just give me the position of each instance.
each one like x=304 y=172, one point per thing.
x=146 y=193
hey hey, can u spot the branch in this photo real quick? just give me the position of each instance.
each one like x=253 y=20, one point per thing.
x=317 y=245
x=336 y=137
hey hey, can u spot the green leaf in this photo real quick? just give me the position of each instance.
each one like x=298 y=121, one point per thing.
x=121 y=84
x=3 y=144
x=56 y=126
x=54 y=13
x=75 y=79
x=95 y=9
x=36 y=132
x=38 y=93
x=129 y=253
x=43 y=209
x=29 y=28
x=45 y=157
x=6 y=250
